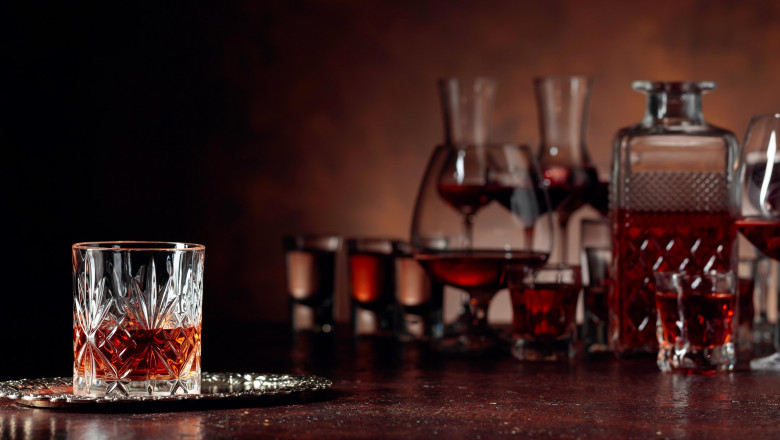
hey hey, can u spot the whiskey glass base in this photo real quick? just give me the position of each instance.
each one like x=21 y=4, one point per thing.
x=697 y=359
x=102 y=387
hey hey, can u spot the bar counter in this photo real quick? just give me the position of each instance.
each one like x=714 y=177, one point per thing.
x=390 y=390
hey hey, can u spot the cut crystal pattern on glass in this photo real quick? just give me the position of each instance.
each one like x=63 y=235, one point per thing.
x=137 y=320
x=671 y=206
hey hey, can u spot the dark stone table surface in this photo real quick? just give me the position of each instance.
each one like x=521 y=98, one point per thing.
x=389 y=390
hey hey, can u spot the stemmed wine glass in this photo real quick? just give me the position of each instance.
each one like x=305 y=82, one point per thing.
x=759 y=195
x=569 y=175
x=510 y=223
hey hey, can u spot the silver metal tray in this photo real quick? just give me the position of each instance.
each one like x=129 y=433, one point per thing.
x=231 y=388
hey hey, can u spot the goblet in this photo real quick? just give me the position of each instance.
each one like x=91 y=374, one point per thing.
x=510 y=221
x=758 y=195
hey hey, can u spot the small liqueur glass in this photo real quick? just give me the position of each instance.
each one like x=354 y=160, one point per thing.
x=419 y=298
x=311 y=281
x=596 y=258
x=697 y=321
x=544 y=305
x=372 y=285
x=137 y=310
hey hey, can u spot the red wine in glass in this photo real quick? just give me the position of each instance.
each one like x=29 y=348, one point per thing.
x=476 y=270
x=567 y=187
x=763 y=234
x=465 y=198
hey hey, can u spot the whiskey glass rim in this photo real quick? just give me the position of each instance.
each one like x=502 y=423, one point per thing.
x=674 y=86
x=143 y=246
x=321 y=242
x=561 y=78
x=492 y=145
x=765 y=116
x=689 y=277
x=467 y=79
x=376 y=244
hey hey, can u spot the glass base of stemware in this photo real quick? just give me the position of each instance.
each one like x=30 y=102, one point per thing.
x=543 y=350
x=768 y=363
x=467 y=344
x=464 y=337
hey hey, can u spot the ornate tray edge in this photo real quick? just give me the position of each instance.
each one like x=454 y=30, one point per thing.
x=43 y=392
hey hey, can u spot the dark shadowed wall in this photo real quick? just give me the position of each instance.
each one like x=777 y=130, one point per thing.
x=236 y=123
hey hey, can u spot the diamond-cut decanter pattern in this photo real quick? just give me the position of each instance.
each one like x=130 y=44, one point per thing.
x=141 y=327
x=661 y=242
x=681 y=191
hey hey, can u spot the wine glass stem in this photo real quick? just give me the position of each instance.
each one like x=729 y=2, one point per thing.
x=479 y=303
x=468 y=230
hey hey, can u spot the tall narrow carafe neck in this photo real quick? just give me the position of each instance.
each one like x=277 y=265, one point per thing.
x=671 y=108
x=562 y=104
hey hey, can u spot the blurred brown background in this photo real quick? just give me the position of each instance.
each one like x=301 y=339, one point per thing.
x=236 y=123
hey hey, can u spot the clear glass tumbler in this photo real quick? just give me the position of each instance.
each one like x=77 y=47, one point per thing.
x=697 y=321
x=544 y=304
x=137 y=310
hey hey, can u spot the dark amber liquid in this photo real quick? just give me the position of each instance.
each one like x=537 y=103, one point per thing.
x=707 y=317
x=763 y=234
x=661 y=241
x=476 y=269
x=544 y=311
x=160 y=354
x=372 y=278
x=569 y=187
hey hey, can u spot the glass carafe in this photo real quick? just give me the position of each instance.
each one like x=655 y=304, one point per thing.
x=570 y=177
x=671 y=205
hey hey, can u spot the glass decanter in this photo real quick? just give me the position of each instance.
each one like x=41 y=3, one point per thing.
x=672 y=205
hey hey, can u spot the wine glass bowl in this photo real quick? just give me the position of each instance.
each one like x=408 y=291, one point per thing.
x=509 y=222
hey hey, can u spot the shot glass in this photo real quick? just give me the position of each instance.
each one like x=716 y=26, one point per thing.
x=596 y=259
x=311 y=281
x=697 y=321
x=372 y=285
x=544 y=304
x=137 y=318
x=419 y=298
